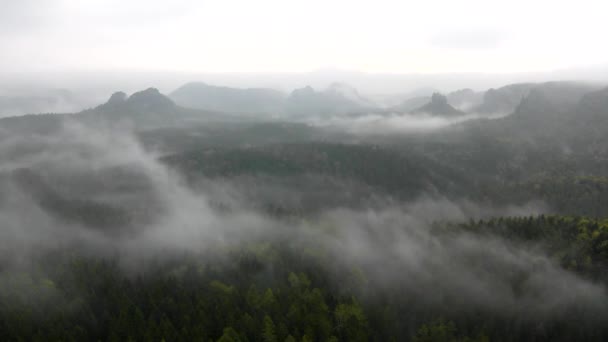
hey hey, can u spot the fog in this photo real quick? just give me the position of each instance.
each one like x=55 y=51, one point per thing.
x=394 y=246
x=401 y=48
x=303 y=171
x=377 y=124
x=72 y=91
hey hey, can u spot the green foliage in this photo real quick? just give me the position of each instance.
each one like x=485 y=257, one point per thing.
x=441 y=331
x=196 y=298
x=579 y=244
x=268 y=333
x=230 y=335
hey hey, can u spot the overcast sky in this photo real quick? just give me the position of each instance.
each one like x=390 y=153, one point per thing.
x=282 y=35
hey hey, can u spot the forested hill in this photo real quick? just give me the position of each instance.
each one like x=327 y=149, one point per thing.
x=143 y=220
x=224 y=99
x=438 y=106
x=352 y=175
x=146 y=109
x=279 y=291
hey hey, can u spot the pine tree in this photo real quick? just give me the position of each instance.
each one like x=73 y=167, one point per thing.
x=269 y=334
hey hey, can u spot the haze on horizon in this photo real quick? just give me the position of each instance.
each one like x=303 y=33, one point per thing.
x=273 y=36
x=232 y=170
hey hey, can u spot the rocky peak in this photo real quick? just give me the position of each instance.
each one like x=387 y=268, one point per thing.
x=117 y=98
x=438 y=106
x=150 y=99
x=439 y=100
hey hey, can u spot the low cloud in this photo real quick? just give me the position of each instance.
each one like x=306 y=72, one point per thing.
x=394 y=246
x=379 y=124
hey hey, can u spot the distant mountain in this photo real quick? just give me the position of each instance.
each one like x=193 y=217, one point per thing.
x=53 y=100
x=149 y=101
x=142 y=110
x=337 y=89
x=552 y=98
x=150 y=109
x=464 y=99
x=119 y=98
x=569 y=116
x=253 y=100
x=438 y=106
x=412 y=104
x=594 y=102
x=338 y=98
x=394 y=101
x=146 y=108
x=503 y=100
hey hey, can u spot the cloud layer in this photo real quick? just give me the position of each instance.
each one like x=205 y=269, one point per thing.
x=394 y=246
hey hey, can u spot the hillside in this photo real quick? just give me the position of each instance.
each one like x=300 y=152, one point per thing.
x=308 y=230
x=224 y=99
x=337 y=99
x=438 y=106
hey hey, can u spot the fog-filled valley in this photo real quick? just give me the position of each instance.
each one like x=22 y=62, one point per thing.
x=299 y=171
x=320 y=214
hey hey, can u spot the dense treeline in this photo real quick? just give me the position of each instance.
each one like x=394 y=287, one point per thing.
x=280 y=288
x=496 y=173
x=277 y=291
x=400 y=174
x=586 y=196
x=580 y=244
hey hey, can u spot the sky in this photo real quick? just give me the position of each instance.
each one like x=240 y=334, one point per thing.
x=379 y=36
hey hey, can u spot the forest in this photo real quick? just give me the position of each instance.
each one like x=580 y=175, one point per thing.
x=303 y=171
x=144 y=220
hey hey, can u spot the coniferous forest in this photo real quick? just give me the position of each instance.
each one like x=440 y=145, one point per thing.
x=140 y=219
x=303 y=171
